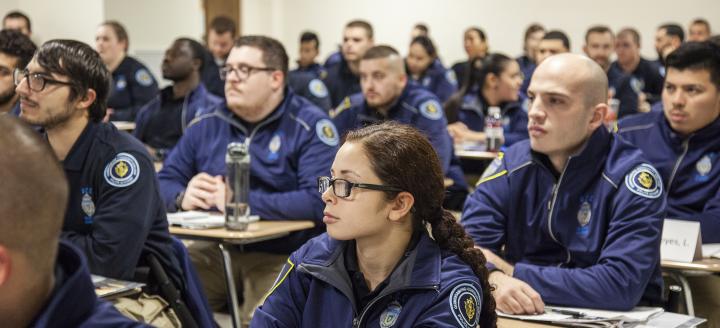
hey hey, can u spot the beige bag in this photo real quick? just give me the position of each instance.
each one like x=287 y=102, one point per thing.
x=150 y=309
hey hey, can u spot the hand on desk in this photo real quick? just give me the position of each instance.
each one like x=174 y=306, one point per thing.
x=204 y=192
x=512 y=296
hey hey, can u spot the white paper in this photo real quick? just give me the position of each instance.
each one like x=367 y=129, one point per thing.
x=200 y=220
x=711 y=250
x=638 y=314
x=680 y=241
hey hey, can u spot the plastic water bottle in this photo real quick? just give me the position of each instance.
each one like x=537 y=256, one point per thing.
x=493 y=129
x=237 y=186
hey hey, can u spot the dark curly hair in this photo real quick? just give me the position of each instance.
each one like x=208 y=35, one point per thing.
x=15 y=44
x=402 y=157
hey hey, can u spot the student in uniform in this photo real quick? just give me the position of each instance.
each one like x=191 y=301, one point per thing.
x=114 y=215
x=699 y=30
x=133 y=85
x=342 y=78
x=220 y=38
x=16 y=50
x=424 y=68
x=42 y=283
x=668 y=37
x=18 y=21
x=291 y=142
x=309 y=50
x=599 y=46
x=306 y=80
x=161 y=122
x=378 y=264
x=533 y=34
x=476 y=45
x=494 y=81
x=552 y=43
x=573 y=216
x=645 y=81
x=683 y=142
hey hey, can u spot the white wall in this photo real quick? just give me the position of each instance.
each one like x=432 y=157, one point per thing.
x=503 y=21
x=74 y=19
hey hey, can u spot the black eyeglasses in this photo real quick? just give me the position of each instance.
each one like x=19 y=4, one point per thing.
x=242 y=72
x=342 y=187
x=36 y=81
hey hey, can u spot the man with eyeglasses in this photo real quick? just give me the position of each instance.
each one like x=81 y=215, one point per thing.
x=291 y=143
x=114 y=215
x=16 y=50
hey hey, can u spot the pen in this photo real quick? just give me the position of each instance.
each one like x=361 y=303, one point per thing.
x=574 y=314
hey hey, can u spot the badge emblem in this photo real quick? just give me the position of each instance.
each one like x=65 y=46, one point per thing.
x=121 y=83
x=274 y=146
x=317 y=88
x=431 y=109
x=645 y=181
x=704 y=165
x=390 y=315
x=464 y=304
x=143 y=77
x=87 y=204
x=122 y=171
x=327 y=132
x=451 y=77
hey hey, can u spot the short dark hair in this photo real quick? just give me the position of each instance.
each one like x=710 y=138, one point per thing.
x=378 y=52
x=558 y=35
x=120 y=32
x=83 y=66
x=361 y=24
x=672 y=29
x=16 y=44
x=308 y=36
x=17 y=14
x=601 y=29
x=697 y=56
x=30 y=173
x=274 y=54
x=629 y=31
x=479 y=31
x=427 y=44
x=223 y=24
x=422 y=27
x=197 y=49
x=532 y=28
x=701 y=21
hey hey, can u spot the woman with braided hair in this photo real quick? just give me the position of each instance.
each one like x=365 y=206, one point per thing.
x=391 y=257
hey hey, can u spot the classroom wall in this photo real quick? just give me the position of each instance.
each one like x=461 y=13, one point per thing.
x=75 y=19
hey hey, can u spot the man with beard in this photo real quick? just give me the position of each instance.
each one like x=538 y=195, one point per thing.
x=16 y=50
x=161 y=122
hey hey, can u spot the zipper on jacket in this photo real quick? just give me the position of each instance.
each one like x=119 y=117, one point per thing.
x=685 y=145
x=357 y=321
x=551 y=208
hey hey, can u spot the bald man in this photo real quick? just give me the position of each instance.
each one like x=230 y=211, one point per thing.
x=573 y=215
x=387 y=95
x=42 y=283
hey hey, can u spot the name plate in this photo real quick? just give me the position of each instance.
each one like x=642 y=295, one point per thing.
x=681 y=241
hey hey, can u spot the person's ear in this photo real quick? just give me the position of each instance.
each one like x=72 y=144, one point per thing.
x=197 y=64
x=278 y=80
x=401 y=206
x=491 y=80
x=598 y=115
x=5 y=265
x=88 y=99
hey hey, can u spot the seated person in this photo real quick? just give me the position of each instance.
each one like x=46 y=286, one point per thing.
x=572 y=216
x=424 y=68
x=133 y=85
x=476 y=46
x=306 y=80
x=291 y=142
x=42 y=283
x=161 y=122
x=645 y=79
x=114 y=215
x=342 y=77
x=308 y=52
x=387 y=95
x=528 y=61
x=377 y=265
x=16 y=50
x=494 y=81
x=683 y=141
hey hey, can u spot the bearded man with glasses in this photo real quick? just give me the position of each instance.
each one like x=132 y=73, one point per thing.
x=291 y=142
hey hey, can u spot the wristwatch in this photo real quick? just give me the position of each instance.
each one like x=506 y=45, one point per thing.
x=179 y=199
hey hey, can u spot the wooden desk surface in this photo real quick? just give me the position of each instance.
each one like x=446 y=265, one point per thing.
x=706 y=264
x=475 y=154
x=257 y=231
x=512 y=323
x=124 y=125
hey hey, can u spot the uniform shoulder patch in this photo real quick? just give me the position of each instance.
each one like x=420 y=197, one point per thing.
x=345 y=104
x=465 y=304
x=645 y=181
x=493 y=170
x=317 y=88
x=450 y=76
x=431 y=109
x=122 y=171
x=120 y=83
x=143 y=77
x=327 y=132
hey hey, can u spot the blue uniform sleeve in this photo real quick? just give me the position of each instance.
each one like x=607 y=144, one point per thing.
x=142 y=88
x=459 y=305
x=628 y=260
x=178 y=169
x=446 y=86
x=316 y=155
x=517 y=129
x=433 y=123
x=284 y=304
x=710 y=220
x=124 y=213
x=484 y=215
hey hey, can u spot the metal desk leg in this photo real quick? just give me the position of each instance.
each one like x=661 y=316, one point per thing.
x=688 y=294
x=230 y=284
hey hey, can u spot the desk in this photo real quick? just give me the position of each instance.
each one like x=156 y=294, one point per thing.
x=256 y=232
x=124 y=125
x=513 y=323
x=475 y=154
x=678 y=270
